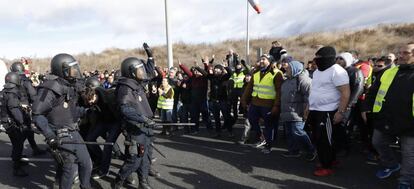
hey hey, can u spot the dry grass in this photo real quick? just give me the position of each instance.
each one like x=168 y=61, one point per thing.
x=369 y=42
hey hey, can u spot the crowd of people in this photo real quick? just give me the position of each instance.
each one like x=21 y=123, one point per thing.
x=324 y=107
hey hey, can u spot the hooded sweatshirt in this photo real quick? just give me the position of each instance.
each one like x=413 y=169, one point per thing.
x=295 y=93
x=356 y=78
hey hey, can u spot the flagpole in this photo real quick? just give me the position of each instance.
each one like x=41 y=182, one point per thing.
x=247 y=34
x=169 y=44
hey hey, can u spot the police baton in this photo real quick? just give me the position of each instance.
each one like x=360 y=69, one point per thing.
x=156 y=149
x=89 y=143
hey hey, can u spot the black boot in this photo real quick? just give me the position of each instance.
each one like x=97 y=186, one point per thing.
x=144 y=184
x=18 y=171
x=23 y=163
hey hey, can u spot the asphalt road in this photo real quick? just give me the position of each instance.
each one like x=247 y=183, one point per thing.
x=200 y=161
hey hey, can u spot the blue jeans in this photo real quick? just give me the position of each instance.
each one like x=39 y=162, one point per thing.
x=271 y=123
x=166 y=115
x=381 y=142
x=297 y=138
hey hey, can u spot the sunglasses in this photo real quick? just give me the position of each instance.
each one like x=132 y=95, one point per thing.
x=379 y=66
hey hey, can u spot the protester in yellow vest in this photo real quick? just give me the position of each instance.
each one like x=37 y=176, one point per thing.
x=262 y=95
x=236 y=88
x=165 y=105
x=393 y=116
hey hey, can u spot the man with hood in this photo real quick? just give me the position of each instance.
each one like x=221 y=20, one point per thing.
x=262 y=95
x=328 y=100
x=294 y=104
x=356 y=84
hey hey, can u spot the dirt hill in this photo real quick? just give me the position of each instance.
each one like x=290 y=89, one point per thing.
x=374 y=41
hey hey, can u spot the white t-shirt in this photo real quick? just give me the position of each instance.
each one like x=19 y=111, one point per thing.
x=324 y=95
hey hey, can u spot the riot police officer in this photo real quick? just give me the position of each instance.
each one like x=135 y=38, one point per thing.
x=15 y=125
x=27 y=95
x=56 y=113
x=135 y=113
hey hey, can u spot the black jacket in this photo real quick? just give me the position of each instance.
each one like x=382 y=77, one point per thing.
x=396 y=115
x=356 y=83
x=12 y=100
x=185 y=93
x=276 y=52
x=56 y=106
x=219 y=85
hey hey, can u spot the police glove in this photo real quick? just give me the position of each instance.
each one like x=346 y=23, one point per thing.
x=147 y=49
x=53 y=143
x=149 y=123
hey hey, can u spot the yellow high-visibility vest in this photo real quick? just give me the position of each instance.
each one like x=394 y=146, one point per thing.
x=386 y=80
x=238 y=80
x=264 y=88
x=166 y=103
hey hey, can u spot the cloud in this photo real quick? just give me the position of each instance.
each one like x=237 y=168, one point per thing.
x=43 y=27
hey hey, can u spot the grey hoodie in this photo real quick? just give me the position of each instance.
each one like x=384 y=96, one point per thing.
x=295 y=93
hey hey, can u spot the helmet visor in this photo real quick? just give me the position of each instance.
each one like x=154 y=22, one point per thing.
x=73 y=70
x=139 y=72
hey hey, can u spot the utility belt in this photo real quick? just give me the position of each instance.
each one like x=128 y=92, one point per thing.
x=65 y=132
x=7 y=125
x=134 y=148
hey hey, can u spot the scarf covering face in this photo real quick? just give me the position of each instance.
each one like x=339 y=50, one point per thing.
x=325 y=58
x=324 y=63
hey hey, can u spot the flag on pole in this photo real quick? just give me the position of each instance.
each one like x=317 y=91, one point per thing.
x=256 y=6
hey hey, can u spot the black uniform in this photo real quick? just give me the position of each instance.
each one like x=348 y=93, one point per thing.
x=56 y=113
x=135 y=113
x=27 y=95
x=16 y=126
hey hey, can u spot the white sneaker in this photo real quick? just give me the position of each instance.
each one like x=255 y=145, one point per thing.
x=261 y=144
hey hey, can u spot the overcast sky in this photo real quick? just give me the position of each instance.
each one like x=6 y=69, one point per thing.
x=46 y=27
